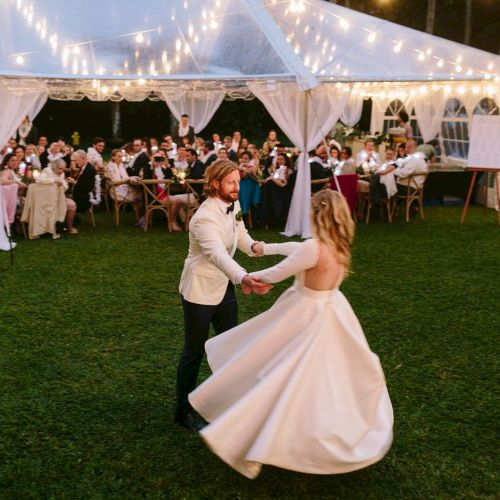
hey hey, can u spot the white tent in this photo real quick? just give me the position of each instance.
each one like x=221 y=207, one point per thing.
x=309 y=61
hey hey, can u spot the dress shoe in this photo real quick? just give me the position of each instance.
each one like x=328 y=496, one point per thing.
x=190 y=422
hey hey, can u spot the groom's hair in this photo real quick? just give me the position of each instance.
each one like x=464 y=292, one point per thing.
x=216 y=172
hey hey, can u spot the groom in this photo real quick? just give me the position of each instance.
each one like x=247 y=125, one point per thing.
x=209 y=275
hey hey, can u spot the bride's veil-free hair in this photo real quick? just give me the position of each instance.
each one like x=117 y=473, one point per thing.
x=332 y=223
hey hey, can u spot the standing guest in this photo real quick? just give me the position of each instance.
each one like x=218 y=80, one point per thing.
x=11 y=184
x=209 y=275
x=270 y=143
x=94 y=153
x=139 y=160
x=196 y=171
x=43 y=141
x=404 y=123
x=26 y=133
x=249 y=184
x=274 y=192
x=228 y=141
x=54 y=174
x=116 y=173
x=235 y=141
x=182 y=130
x=85 y=182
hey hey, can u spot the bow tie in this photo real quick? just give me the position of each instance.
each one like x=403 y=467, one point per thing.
x=230 y=208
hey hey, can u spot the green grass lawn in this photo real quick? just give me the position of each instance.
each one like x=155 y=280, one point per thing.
x=91 y=331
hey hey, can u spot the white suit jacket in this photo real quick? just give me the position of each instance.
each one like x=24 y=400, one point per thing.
x=213 y=239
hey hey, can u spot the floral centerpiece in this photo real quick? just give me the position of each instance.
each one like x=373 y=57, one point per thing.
x=179 y=175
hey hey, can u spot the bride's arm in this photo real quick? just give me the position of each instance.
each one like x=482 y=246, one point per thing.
x=281 y=248
x=304 y=256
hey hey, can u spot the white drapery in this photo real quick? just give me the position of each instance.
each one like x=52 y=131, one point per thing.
x=16 y=102
x=199 y=107
x=429 y=111
x=352 y=111
x=306 y=118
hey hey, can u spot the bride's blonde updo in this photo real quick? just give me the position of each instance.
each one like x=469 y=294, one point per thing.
x=332 y=223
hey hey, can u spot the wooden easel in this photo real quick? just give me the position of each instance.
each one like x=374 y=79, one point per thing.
x=488 y=171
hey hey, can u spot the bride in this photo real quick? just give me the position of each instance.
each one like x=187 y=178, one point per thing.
x=297 y=386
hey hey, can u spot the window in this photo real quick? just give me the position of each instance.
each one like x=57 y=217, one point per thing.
x=486 y=106
x=454 y=138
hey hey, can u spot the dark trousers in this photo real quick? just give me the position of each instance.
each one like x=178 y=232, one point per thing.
x=197 y=320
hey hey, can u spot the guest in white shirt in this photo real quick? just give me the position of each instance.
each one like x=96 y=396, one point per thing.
x=414 y=163
x=54 y=174
x=183 y=129
x=368 y=155
x=116 y=173
x=94 y=153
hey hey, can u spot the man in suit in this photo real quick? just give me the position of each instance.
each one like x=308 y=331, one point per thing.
x=140 y=160
x=209 y=275
x=85 y=182
x=196 y=171
x=316 y=159
x=181 y=130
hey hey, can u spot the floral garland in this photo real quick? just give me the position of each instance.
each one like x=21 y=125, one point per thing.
x=95 y=194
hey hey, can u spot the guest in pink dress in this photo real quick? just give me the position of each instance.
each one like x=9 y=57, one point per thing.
x=10 y=184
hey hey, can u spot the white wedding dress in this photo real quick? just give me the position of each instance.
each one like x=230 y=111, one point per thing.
x=297 y=386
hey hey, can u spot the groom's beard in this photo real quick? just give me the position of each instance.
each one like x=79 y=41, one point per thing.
x=228 y=196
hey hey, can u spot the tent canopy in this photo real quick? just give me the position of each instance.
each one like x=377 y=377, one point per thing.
x=308 y=41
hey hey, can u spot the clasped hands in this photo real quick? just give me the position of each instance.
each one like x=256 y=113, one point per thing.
x=255 y=285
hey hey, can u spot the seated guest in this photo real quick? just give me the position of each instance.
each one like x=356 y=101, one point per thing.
x=318 y=171
x=139 y=160
x=31 y=156
x=199 y=145
x=217 y=142
x=249 y=184
x=196 y=171
x=51 y=154
x=94 y=153
x=159 y=169
x=43 y=141
x=414 y=163
x=270 y=160
x=368 y=155
x=211 y=154
x=382 y=182
x=85 y=182
x=275 y=195
x=254 y=154
x=429 y=151
x=11 y=184
x=347 y=164
x=54 y=174
x=181 y=130
x=170 y=146
x=243 y=146
x=402 y=150
x=116 y=173
x=180 y=161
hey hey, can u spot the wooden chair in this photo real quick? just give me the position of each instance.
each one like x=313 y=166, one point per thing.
x=385 y=203
x=106 y=189
x=414 y=193
x=153 y=199
x=324 y=183
x=120 y=203
x=193 y=199
x=91 y=214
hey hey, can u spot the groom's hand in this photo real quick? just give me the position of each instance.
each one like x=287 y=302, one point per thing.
x=254 y=285
x=258 y=248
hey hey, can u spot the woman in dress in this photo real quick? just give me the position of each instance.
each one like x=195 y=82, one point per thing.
x=249 y=185
x=117 y=175
x=11 y=185
x=404 y=123
x=297 y=386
